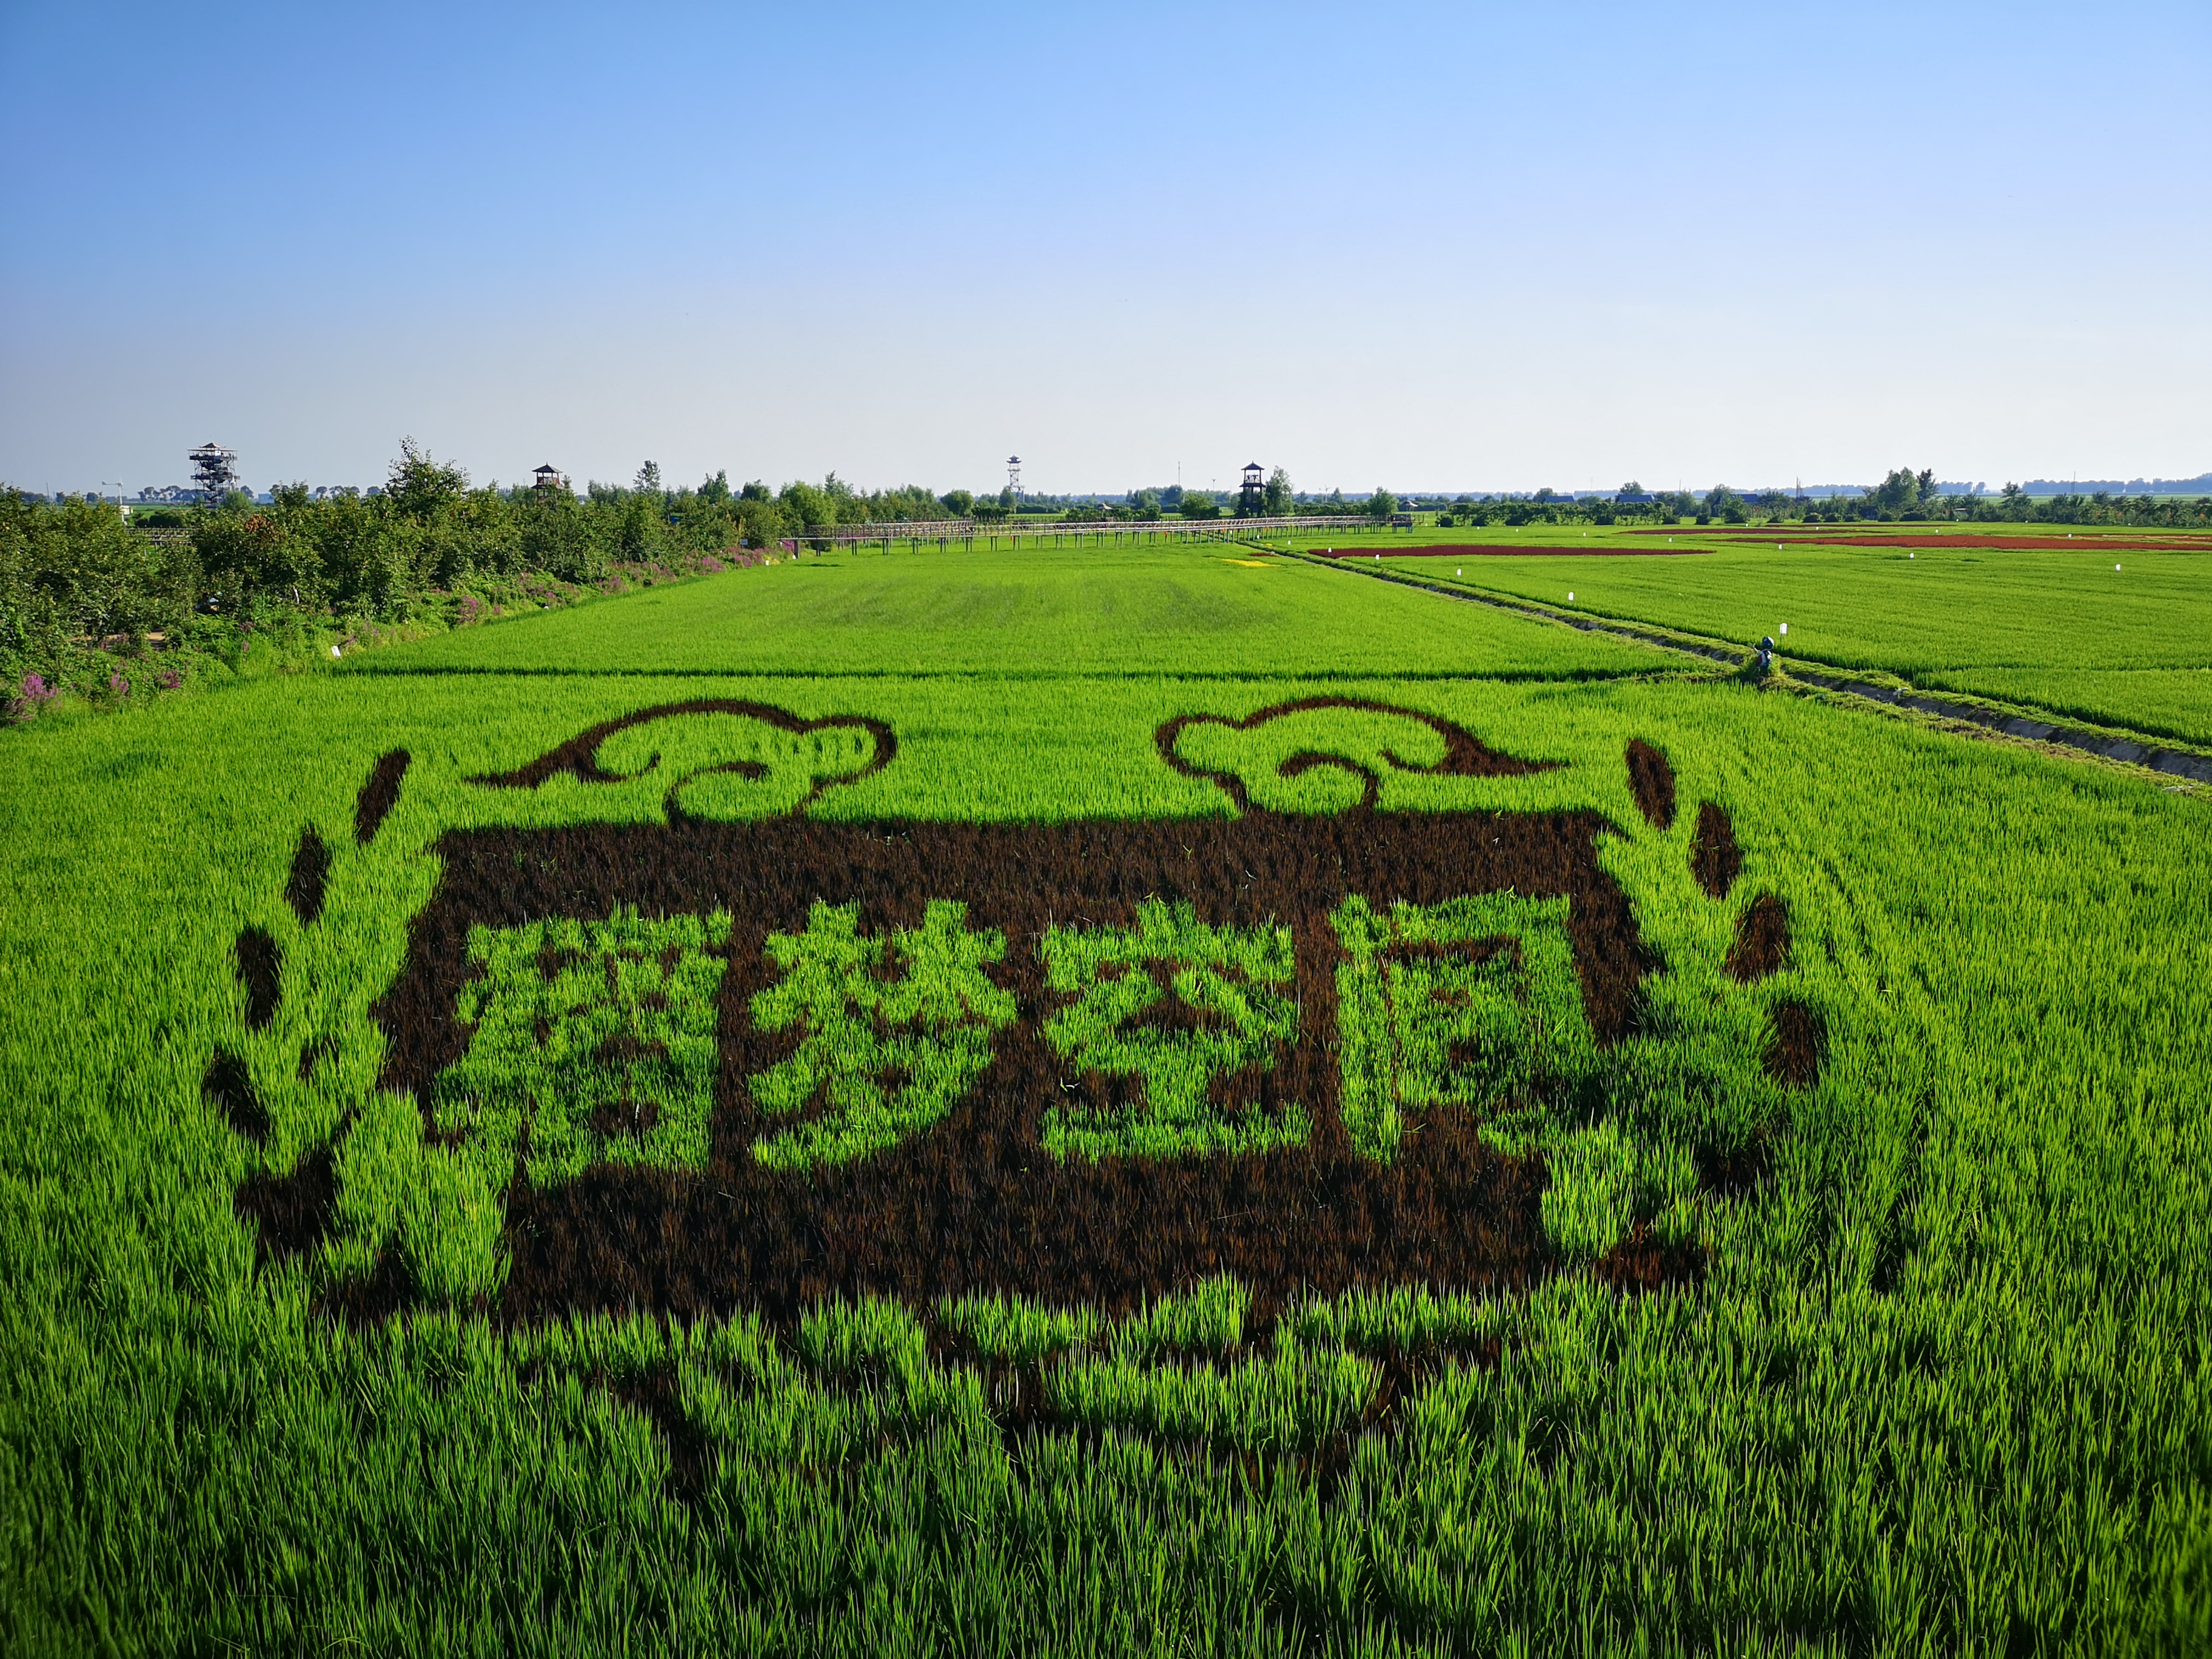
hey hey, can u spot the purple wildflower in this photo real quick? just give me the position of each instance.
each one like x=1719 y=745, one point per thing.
x=118 y=685
x=35 y=689
x=172 y=679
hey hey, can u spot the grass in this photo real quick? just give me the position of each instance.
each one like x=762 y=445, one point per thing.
x=1049 y=612
x=929 y=1028
x=1422 y=983
x=1235 y=982
x=620 y=1004
x=1946 y=1386
x=2167 y=702
x=2062 y=630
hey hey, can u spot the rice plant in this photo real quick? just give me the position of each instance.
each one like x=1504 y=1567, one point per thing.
x=1940 y=1380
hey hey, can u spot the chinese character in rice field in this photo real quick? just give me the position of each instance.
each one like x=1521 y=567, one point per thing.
x=652 y=1031
x=593 y=1043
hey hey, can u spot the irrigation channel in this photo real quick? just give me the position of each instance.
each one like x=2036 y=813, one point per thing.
x=2133 y=748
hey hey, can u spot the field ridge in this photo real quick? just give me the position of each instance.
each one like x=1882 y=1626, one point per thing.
x=2025 y=722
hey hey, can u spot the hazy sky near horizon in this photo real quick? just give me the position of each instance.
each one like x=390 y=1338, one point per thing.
x=1423 y=246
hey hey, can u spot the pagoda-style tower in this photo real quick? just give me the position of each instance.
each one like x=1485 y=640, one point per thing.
x=1251 y=495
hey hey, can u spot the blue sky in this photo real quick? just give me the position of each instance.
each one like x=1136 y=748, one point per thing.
x=1420 y=246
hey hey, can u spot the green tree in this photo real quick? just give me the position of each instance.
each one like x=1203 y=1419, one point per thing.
x=555 y=537
x=759 y=520
x=90 y=577
x=845 y=506
x=803 y=504
x=418 y=487
x=909 y=504
x=1902 y=491
x=1381 y=505
x=266 y=552
x=1276 y=499
x=958 y=502
x=1199 y=504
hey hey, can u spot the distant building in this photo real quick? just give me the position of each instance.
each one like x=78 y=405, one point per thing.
x=1251 y=493
x=215 y=470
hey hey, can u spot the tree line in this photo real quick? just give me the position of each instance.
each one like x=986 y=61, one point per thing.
x=101 y=602
x=1902 y=496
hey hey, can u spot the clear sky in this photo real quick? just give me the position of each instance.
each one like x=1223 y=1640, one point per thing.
x=1419 y=246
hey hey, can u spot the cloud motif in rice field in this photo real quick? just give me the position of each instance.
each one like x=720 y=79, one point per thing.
x=716 y=758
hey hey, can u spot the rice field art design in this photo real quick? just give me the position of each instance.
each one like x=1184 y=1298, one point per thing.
x=630 y=1026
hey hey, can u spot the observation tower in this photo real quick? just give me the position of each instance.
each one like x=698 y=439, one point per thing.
x=215 y=470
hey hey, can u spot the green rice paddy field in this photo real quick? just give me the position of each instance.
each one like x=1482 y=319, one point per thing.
x=2097 y=627
x=1031 y=1101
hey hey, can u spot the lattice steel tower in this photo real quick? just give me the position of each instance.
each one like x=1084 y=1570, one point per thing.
x=215 y=470
x=1014 y=474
